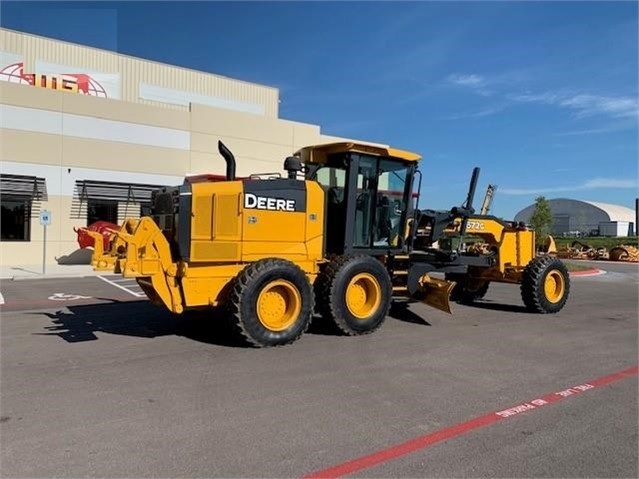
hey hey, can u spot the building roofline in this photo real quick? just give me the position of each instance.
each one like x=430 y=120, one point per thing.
x=620 y=212
x=613 y=211
x=124 y=55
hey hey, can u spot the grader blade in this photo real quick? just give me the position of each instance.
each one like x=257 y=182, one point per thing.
x=436 y=293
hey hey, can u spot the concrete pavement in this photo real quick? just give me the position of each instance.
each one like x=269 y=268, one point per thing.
x=34 y=271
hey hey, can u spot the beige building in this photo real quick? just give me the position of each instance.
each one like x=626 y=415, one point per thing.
x=86 y=134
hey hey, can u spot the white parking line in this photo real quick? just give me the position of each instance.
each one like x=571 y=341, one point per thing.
x=1 y=299
x=137 y=295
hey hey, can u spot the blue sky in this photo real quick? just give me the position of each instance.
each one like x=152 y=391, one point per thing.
x=542 y=96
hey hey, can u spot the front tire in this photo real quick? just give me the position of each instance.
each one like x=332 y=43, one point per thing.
x=545 y=285
x=355 y=292
x=271 y=303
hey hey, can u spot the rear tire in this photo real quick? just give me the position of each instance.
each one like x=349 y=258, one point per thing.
x=271 y=303
x=545 y=285
x=354 y=292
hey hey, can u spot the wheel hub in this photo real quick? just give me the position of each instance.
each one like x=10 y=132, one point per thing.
x=278 y=305
x=363 y=295
x=554 y=286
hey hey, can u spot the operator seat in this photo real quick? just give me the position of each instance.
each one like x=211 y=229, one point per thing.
x=384 y=225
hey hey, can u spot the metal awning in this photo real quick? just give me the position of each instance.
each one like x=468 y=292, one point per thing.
x=23 y=187
x=108 y=190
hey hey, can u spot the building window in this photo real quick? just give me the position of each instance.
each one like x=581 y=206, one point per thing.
x=20 y=200
x=16 y=219
x=102 y=210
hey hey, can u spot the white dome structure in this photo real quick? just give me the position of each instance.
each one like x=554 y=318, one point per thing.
x=586 y=217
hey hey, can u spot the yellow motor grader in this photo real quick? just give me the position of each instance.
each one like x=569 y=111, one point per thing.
x=339 y=234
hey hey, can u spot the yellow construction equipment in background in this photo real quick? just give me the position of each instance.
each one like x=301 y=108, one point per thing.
x=580 y=250
x=340 y=235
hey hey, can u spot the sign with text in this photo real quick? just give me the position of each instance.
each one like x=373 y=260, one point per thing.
x=55 y=82
x=47 y=75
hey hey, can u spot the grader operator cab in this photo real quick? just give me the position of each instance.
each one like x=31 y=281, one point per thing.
x=341 y=235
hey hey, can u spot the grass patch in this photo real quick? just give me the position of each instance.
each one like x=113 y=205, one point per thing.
x=572 y=266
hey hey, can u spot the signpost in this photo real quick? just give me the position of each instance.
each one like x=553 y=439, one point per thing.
x=45 y=220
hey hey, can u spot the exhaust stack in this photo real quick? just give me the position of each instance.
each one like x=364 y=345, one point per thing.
x=467 y=209
x=230 y=160
x=471 y=191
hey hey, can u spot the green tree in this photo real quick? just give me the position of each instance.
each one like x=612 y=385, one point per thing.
x=541 y=219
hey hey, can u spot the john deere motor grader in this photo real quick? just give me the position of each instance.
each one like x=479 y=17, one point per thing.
x=340 y=235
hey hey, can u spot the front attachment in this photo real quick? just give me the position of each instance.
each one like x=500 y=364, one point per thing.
x=101 y=259
x=140 y=250
x=435 y=292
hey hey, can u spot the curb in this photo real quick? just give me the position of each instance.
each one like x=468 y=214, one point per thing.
x=588 y=272
x=46 y=276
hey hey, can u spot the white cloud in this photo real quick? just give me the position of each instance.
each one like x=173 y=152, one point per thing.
x=476 y=82
x=478 y=114
x=592 y=184
x=610 y=127
x=547 y=98
x=591 y=131
x=582 y=103
x=468 y=80
x=609 y=183
x=587 y=105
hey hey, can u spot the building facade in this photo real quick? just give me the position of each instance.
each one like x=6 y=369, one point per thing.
x=583 y=218
x=87 y=134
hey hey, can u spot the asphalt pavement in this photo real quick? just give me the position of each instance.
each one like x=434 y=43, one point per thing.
x=97 y=382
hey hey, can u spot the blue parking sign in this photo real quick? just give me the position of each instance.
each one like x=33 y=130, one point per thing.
x=45 y=218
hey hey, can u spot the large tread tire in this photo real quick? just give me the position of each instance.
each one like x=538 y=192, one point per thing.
x=467 y=290
x=545 y=285
x=363 y=275
x=289 y=288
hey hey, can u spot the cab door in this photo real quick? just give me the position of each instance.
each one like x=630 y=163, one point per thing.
x=381 y=188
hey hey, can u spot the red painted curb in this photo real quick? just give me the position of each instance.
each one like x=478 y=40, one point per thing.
x=587 y=272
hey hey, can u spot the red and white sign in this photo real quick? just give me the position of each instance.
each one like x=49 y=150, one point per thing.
x=84 y=83
x=72 y=82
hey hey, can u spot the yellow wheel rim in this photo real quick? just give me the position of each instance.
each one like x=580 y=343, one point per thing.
x=279 y=305
x=363 y=295
x=554 y=286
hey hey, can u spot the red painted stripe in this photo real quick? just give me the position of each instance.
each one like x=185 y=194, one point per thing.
x=587 y=272
x=423 y=442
